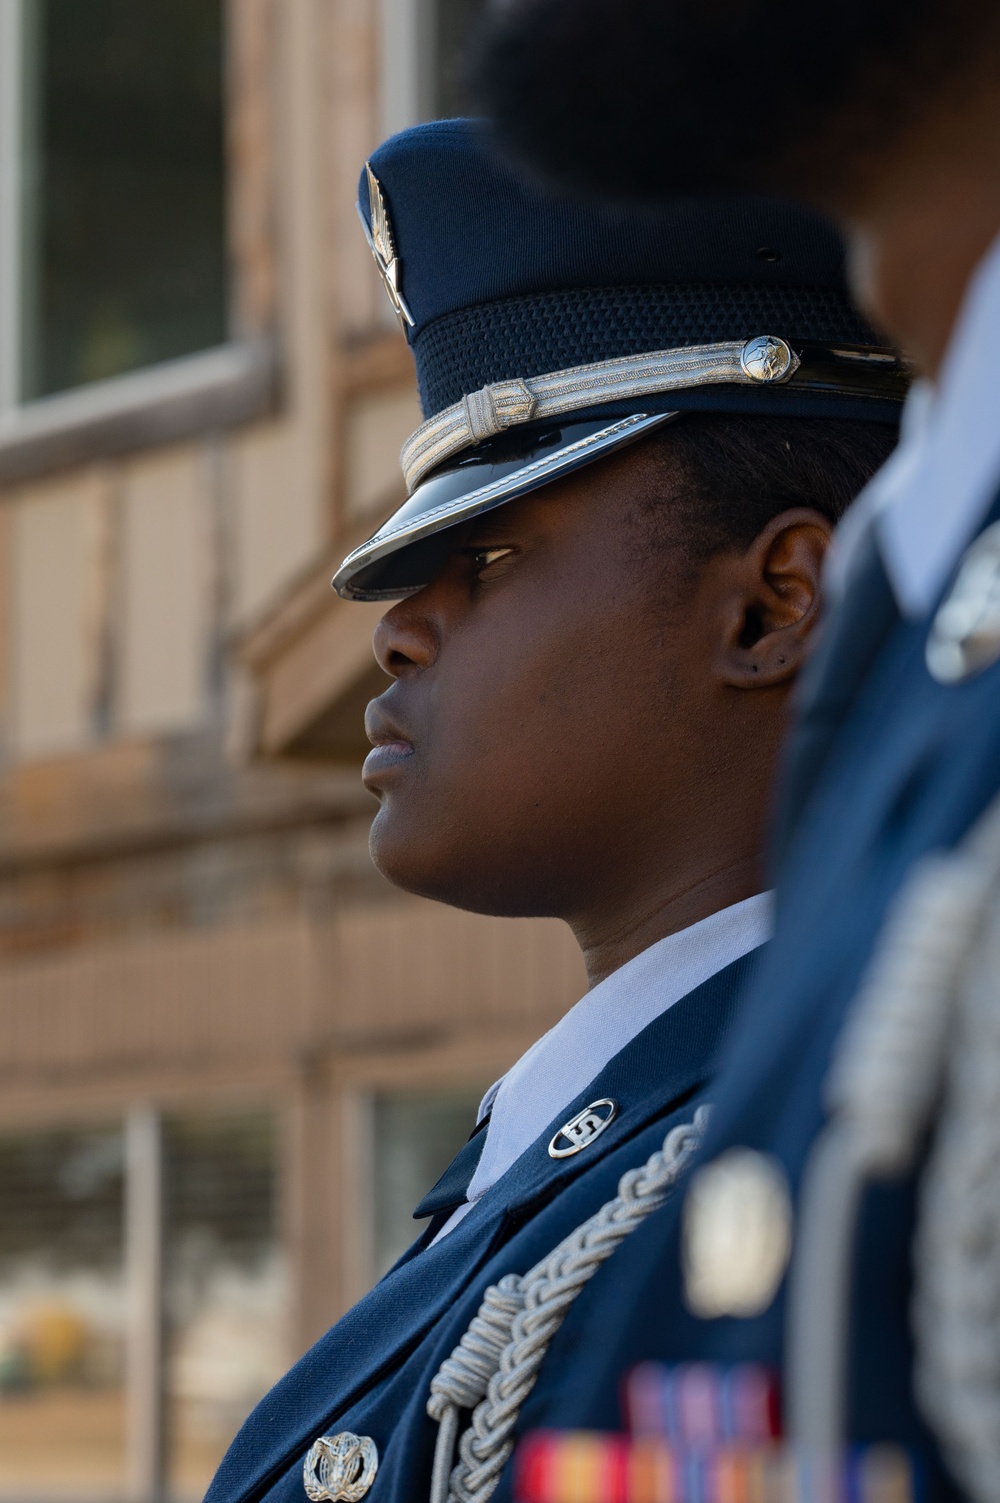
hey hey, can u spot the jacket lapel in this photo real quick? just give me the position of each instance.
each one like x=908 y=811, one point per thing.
x=664 y=1065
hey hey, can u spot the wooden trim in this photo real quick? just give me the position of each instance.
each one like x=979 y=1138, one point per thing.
x=251 y=144
x=216 y=389
x=145 y=1440
x=316 y=671
x=11 y=29
x=382 y=360
x=308 y=653
x=309 y=597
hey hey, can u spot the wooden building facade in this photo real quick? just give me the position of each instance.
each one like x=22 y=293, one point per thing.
x=229 y=1052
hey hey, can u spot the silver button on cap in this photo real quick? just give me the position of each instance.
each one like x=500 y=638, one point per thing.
x=767 y=358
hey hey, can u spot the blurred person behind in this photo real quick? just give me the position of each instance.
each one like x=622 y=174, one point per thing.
x=886 y=116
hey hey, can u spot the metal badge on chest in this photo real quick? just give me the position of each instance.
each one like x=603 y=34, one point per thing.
x=340 y=1468
x=965 y=636
x=737 y=1234
x=580 y=1131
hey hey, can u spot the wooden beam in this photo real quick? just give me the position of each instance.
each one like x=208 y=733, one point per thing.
x=319 y=669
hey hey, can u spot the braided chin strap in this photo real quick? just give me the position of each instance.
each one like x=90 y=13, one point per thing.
x=921 y=1048
x=496 y=1363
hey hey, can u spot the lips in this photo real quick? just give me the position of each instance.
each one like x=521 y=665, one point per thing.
x=391 y=746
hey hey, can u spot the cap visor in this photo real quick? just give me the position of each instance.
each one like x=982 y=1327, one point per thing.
x=407 y=552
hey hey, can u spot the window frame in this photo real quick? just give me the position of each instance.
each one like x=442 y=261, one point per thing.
x=145 y=1227
x=407 y=45
x=218 y=387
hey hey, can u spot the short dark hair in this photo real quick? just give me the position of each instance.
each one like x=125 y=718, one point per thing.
x=653 y=97
x=739 y=472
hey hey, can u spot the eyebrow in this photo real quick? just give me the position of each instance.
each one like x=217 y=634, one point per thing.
x=493 y=527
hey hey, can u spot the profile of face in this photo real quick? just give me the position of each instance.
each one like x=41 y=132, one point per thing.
x=577 y=707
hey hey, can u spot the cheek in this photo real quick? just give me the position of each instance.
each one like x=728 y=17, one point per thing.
x=517 y=746
x=549 y=703
x=516 y=740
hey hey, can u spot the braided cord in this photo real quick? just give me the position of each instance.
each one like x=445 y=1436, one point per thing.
x=923 y=1041
x=956 y=1308
x=496 y=1363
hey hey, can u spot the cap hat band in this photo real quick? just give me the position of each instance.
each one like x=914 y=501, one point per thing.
x=504 y=404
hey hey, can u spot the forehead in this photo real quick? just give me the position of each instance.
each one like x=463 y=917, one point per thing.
x=597 y=498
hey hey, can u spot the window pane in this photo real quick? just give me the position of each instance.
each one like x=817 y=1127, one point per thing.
x=455 y=21
x=124 y=256
x=416 y=1138
x=225 y=1286
x=62 y=1312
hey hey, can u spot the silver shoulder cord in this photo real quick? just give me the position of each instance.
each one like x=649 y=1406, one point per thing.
x=496 y=1363
x=920 y=1050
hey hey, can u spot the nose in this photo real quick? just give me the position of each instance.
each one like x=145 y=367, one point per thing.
x=406 y=639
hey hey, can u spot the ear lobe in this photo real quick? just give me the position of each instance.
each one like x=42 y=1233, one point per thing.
x=776 y=601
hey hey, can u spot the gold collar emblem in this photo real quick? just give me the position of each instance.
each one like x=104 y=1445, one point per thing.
x=378 y=233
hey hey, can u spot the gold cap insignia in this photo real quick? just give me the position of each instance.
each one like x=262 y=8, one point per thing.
x=378 y=233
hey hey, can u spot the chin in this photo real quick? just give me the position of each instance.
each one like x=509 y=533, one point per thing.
x=420 y=863
x=412 y=859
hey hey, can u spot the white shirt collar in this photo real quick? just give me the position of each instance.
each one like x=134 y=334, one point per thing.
x=564 y=1061
x=928 y=502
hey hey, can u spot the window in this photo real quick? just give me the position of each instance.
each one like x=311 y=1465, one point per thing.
x=224 y=1286
x=416 y=1136
x=111 y=1234
x=453 y=22
x=62 y=1313
x=423 y=47
x=115 y=293
x=118 y=157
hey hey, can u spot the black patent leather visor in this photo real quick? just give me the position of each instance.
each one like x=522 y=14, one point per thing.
x=407 y=552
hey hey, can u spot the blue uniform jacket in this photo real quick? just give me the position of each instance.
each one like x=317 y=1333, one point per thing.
x=371 y=1372
x=886 y=766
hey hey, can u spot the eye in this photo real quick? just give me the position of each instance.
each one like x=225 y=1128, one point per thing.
x=482 y=558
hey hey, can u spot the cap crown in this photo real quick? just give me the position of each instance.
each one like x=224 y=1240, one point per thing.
x=505 y=278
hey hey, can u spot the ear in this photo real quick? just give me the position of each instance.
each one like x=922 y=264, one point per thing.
x=773 y=601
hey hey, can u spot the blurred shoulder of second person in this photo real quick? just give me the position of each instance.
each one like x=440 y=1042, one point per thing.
x=884 y=114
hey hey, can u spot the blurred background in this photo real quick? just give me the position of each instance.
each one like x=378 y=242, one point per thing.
x=231 y=1058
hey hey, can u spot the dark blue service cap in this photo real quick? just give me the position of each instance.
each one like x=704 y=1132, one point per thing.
x=548 y=330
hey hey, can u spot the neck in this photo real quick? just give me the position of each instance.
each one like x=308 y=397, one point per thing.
x=620 y=931
x=921 y=226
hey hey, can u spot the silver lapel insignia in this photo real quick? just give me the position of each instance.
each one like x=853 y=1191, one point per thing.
x=340 y=1468
x=378 y=233
x=965 y=636
x=580 y=1131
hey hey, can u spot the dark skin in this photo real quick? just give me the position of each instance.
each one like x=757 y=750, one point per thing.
x=583 y=728
x=919 y=217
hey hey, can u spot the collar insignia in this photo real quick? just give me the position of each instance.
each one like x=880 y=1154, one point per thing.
x=581 y=1130
x=378 y=233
